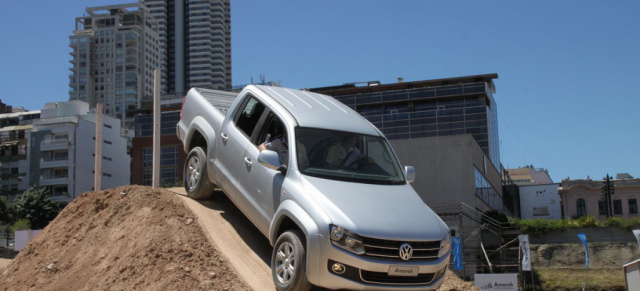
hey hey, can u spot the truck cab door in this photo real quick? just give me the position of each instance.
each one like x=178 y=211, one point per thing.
x=263 y=184
x=234 y=138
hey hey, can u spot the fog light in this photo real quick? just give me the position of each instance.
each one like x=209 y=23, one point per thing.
x=350 y=242
x=441 y=272
x=338 y=268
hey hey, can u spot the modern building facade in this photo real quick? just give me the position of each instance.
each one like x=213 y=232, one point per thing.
x=447 y=129
x=15 y=129
x=115 y=50
x=62 y=151
x=432 y=110
x=585 y=197
x=195 y=42
x=172 y=155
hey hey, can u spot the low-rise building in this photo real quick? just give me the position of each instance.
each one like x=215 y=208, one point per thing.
x=62 y=152
x=585 y=197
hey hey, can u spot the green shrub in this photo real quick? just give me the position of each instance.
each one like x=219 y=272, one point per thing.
x=613 y=222
x=631 y=223
x=538 y=225
x=21 y=224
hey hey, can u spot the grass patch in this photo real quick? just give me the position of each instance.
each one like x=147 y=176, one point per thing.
x=571 y=279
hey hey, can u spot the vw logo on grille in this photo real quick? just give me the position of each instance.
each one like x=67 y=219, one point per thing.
x=406 y=251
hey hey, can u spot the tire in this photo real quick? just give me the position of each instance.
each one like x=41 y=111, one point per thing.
x=289 y=262
x=196 y=180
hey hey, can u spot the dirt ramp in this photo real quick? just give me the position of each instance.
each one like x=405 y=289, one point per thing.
x=127 y=238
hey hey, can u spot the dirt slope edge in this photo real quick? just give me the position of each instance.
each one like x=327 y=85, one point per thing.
x=143 y=239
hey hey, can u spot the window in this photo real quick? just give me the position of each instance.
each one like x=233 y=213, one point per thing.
x=486 y=192
x=248 y=118
x=633 y=206
x=617 y=206
x=581 y=207
x=602 y=207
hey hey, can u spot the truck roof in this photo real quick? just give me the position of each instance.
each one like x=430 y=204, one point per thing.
x=321 y=111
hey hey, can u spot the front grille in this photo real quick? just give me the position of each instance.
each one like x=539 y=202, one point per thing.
x=389 y=249
x=384 y=278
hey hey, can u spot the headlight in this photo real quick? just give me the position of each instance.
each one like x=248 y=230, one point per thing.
x=445 y=246
x=346 y=240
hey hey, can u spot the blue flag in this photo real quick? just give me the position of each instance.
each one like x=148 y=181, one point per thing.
x=583 y=238
x=457 y=253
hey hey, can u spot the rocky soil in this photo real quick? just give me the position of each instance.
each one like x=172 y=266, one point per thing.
x=129 y=238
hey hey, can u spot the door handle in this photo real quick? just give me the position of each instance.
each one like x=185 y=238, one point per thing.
x=248 y=161
x=224 y=136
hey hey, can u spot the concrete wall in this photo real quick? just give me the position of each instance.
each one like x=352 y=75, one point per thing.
x=445 y=168
x=594 y=234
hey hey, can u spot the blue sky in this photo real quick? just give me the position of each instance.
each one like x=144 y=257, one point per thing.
x=568 y=91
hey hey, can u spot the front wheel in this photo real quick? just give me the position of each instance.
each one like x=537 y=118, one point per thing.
x=196 y=180
x=289 y=262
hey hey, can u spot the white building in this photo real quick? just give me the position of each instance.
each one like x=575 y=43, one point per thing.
x=540 y=201
x=62 y=151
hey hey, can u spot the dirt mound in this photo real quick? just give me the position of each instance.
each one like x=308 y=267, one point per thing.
x=127 y=238
x=453 y=283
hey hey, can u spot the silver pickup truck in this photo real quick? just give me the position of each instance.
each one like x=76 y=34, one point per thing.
x=329 y=194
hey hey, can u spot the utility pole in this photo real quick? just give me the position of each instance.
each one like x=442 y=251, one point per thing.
x=155 y=179
x=607 y=191
x=97 y=183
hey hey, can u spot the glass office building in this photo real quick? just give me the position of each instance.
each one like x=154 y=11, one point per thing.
x=442 y=107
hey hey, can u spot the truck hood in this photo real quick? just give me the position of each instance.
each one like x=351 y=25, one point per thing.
x=379 y=211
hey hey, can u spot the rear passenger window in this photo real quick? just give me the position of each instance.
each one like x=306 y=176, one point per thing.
x=248 y=117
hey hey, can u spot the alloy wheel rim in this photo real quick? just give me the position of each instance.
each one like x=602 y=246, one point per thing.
x=285 y=263
x=193 y=172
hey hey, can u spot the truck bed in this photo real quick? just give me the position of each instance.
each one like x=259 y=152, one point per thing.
x=221 y=100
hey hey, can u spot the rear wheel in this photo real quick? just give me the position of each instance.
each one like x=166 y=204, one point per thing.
x=196 y=180
x=289 y=262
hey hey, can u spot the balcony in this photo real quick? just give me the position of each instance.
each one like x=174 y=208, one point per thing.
x=54 y=163
x=54 y=144
x=55 y=180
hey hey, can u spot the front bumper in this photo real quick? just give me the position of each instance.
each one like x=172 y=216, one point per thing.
x=364 y=273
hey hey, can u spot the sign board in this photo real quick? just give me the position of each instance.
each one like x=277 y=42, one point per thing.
x=497 y=282
x=632 y=275
x=526 y=252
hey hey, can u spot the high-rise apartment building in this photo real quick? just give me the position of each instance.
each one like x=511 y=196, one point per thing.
x=195 y=40
x=115 y=51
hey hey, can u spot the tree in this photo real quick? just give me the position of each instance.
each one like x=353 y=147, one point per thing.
x=6 y=211
x=37 y=207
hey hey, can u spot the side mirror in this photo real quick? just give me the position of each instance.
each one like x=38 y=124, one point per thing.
x=270 y=159
x=410 y=173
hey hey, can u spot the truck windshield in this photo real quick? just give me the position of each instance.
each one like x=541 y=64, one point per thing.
x=346 y=156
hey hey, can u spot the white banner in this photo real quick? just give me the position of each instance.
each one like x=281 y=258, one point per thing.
x=636 y=233
x=496 y=282
x=526 y=253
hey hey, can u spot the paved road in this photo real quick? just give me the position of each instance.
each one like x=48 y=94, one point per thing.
x=248 y=251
